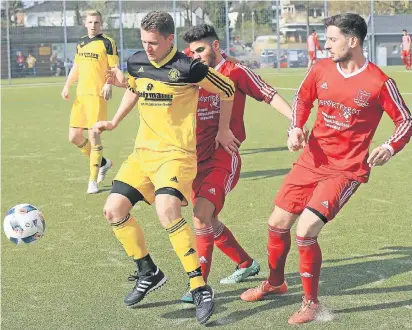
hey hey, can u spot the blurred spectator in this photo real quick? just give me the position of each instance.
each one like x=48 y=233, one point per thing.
x=19 y=64
x=31 y=65
x=59 y=67
x=68 y=64
x=53 y=63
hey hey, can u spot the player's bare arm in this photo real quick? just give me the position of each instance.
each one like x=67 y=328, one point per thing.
x=115 y=77
x=224 y=136
x=280 y=104
x=73 y=76
x=127 y=104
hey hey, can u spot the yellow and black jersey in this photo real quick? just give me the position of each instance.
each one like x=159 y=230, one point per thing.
x=94 y=56
x=168 y=96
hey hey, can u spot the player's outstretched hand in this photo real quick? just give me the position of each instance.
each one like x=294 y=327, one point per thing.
x=107 y=91
x=227 y=140
x=65 y=93
x=102 y=126
x=379 y=156
x=296 y=140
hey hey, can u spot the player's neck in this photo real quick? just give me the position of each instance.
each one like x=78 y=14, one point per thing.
x=216 y=62
x=354 y=64
x=91 y=36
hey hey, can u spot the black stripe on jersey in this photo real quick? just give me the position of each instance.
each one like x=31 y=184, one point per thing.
x=223 y=82
x=219 y=83
x=108 y=44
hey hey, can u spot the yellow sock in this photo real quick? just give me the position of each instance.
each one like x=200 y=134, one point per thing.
x=129 y=233
x=85 y=147
x=96 y=155
x=183 y=242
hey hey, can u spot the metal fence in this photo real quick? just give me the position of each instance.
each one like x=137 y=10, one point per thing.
x=38 y=38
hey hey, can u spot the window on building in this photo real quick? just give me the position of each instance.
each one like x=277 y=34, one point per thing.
x=41 y=21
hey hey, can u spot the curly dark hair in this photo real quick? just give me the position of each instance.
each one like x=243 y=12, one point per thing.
x=350 y=25
x=159 y=21
x=200 y=32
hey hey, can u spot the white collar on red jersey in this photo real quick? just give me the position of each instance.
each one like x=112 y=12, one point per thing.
x=219 y=64
x=345 y=75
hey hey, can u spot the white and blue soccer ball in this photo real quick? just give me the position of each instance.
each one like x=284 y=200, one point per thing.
x=24 y=223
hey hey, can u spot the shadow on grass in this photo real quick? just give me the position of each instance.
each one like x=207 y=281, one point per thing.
x=244 y=152
x=264 y=174
x=338 y=280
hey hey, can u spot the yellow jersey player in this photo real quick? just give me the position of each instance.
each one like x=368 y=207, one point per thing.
x=95 y=54
x=165 y=85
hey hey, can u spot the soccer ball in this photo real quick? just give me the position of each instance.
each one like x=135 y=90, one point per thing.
x=24 y=223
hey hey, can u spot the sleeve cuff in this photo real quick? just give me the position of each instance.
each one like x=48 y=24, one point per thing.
x=293 y=129
x=389 y=147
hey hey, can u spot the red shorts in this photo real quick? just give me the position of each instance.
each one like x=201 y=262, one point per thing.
x=312 y=55
x=216 y=177
x=323 y=194
x=406 y=53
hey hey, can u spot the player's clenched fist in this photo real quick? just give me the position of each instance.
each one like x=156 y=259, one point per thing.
x=296 y=140
x=102 y=126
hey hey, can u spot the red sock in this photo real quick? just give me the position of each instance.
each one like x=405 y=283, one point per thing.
x=405 y=60
x=409 y=61
x=204 y=246
x=227 y=243
x=310 y=261
x=278 y=249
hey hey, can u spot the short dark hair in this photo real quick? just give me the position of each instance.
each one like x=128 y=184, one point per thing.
x=350 y=25
x=196 y=33
x=404 y=30
x=158 y=21
x=313 y=30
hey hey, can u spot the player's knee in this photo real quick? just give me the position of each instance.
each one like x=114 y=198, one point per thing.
x=282 y=219
x=309 y=224
x=75 y=138
x=203 y=212
x=113 y=213
x=168 y=213
x=202 y=220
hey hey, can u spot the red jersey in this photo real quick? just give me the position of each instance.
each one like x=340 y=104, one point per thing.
x=313 y=43
x=247 y=83
x=406 y=42
x=350 y=107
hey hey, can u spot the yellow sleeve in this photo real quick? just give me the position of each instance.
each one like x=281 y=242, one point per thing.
x=112 y=56
x=216 y=83
x=131 y=84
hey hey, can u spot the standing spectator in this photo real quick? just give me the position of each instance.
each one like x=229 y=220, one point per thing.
x=68 y=64
x=19 y=64
x=31 y=65
x=53 y=63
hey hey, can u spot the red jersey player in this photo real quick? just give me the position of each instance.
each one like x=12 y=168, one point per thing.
x=352 y=95
x=313 y=44
x=218 y=170
x=406 y=49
